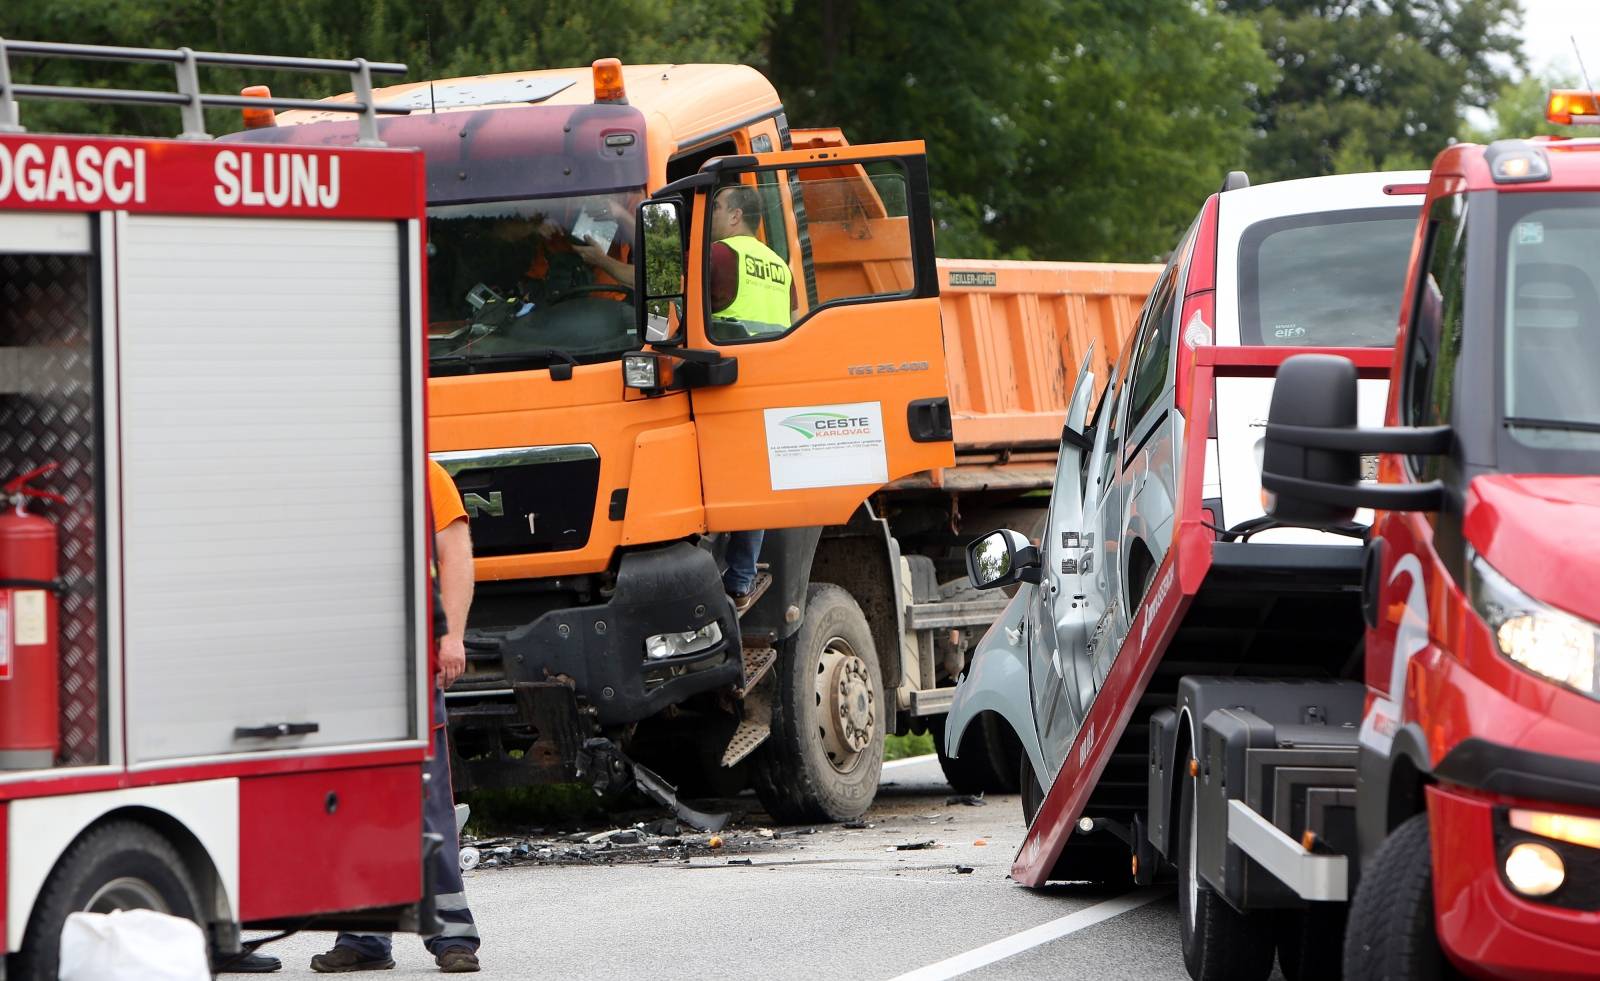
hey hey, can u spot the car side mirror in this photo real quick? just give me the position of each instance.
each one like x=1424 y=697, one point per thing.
x=659 y=258
x=1002 y=558
x=1311 y=461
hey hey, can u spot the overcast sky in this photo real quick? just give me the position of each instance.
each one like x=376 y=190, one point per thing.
x=1548 y=27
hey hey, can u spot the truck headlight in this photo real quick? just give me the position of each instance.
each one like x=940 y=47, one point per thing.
x=1541 y=638
x=662 y=646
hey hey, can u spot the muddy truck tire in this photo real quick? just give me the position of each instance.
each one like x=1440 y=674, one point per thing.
x=825 y=755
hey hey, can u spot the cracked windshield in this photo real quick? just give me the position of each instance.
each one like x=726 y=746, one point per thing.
x=520 y=283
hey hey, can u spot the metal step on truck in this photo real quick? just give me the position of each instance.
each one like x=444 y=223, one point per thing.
x=214 y=691
x=613 y=432
x=1383 y=762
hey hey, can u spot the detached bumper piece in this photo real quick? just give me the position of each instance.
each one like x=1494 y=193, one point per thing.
x=611 y=773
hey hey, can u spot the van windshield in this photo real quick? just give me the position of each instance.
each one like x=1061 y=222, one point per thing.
x=1550 y=302
x=1325 y=280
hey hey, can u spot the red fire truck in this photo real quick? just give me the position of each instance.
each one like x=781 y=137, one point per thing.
x=1431 y=807
x=214 y=630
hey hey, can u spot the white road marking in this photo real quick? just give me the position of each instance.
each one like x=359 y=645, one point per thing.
x=1028 y=939
x=908 y=761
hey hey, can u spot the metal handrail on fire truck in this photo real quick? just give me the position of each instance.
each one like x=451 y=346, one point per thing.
x=188 y=97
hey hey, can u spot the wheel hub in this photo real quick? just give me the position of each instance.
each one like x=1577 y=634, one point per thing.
x=848 y=706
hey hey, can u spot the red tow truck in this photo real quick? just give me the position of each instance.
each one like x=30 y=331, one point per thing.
x=215 y=635
x=1429 y=807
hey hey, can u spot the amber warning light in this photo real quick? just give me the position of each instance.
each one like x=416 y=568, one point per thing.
x=1571 y=107
x=263 y=118
x=608 y=81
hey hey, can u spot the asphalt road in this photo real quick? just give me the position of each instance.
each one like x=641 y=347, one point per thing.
x=837 y=904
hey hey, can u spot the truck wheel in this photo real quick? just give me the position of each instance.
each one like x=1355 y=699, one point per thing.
x=1391 y=934
x=118 y=865
x=988 y=760
x=825 y=755
x=1219 y=942
x=1310 y=942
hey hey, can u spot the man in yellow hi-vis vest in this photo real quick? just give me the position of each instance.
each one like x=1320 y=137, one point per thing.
x=750 y=283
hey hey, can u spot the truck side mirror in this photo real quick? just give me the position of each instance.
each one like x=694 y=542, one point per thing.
x=659 y=258
x=1311 y=464
x=1002 y=558
x=1315 y=391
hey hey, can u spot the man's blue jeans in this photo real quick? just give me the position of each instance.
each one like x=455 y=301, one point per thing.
x=743 y=549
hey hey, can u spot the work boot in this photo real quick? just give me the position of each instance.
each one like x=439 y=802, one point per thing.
x=343 y=960
x=251 y=963
x=457 y=960
x=742 y=602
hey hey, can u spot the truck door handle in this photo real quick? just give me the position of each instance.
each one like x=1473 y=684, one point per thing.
x=929 y=420
x=276 y=730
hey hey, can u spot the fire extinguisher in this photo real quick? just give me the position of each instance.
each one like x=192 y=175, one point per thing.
x=30 y=717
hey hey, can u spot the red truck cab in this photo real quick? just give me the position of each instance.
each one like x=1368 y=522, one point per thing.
x=1478 y=767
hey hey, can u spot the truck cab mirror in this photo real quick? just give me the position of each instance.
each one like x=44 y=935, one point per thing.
x=659 y=258
x=1002 y=558
x=1313 y=391
x=1311 y=461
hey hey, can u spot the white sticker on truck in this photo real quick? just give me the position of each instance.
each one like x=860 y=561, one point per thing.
x=826 y=446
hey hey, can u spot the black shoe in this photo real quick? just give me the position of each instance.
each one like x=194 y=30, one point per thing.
x=247 y=964
x=457 y=960
x=343 y=960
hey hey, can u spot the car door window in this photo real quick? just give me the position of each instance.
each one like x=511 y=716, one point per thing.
x=1153 y=357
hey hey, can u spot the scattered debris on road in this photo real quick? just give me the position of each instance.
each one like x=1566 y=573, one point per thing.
x=971 y=800
x=962 y=870
x=915 y=846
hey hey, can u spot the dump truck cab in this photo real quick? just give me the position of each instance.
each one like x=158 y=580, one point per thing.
x=608 y=414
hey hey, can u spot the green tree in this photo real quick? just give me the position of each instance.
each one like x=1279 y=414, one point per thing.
x=1088 y=129
x=1519 y=110
x=1374 y=83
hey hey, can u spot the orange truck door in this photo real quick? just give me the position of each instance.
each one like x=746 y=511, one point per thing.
x=841 y=384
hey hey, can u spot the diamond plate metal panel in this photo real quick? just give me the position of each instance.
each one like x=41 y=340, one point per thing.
x=47 y=413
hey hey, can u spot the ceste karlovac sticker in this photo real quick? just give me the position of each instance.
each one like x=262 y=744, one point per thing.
x=826 y=445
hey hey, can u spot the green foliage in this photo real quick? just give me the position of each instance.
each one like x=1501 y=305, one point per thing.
x=1373 y=83
x=909 y=745
x=1519 y=110
x=1059 y=129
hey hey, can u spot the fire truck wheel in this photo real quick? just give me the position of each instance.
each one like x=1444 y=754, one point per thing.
x=1310 y=942
x=1219 y=942
x=118 y=865
x=1391 y=934
x=825 y=755
x=988 y=760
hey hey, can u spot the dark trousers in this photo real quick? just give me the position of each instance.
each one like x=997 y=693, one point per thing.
x=744 y=547
x=450 y=893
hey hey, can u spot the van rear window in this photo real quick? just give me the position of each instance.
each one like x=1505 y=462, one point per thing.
x=1325 y=280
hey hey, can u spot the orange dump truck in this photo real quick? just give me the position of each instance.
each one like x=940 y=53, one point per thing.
x=615 y=415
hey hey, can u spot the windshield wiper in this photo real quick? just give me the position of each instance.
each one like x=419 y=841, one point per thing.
x=1570 y=425
x=560 y=370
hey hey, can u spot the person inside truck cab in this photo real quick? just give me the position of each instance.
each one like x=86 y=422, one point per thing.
x=750 y=283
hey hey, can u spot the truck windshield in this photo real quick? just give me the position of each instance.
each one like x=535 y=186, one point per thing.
x=508 y=281
x=1325 y=280
x=1550 y=303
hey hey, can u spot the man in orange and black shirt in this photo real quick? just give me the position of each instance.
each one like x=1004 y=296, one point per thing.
x=455 y=947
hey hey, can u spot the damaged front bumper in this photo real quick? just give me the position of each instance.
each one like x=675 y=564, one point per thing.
x=576 y=671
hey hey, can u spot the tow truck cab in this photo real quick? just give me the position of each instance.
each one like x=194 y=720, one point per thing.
x=1482 y=700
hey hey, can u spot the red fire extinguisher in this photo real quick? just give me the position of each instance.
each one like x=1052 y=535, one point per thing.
x=30 y=717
